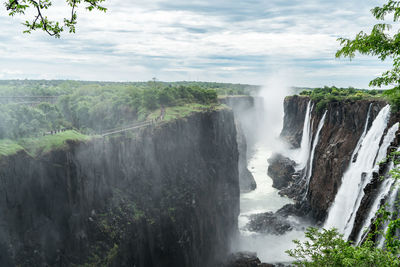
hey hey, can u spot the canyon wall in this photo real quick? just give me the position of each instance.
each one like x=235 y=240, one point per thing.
x=246 y=114
x=344 y=124
x=166 y=196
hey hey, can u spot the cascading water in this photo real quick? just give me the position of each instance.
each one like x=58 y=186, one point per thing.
x=384 y=189
x=359 y=173
x=392 y=205
x=315 y=143
x=305 y=144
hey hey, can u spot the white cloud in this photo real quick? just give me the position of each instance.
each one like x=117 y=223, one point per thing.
x=209 y=40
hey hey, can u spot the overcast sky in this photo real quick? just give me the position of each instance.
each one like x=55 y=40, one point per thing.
x=245 y=41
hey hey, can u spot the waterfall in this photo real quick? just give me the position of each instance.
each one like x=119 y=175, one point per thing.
x=315 y=143
x=305 y=145
x=391 y=134
x=392 y=204
x=358 y=146
x=359 y=173
x=384 y=188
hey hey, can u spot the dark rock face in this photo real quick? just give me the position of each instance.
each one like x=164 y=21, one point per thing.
x=245 y=259
x=293 y=122
x=246 y=179
x=281 y=169
x=167 y=197
x=299 y=209
x=269 y=223
x=343 y=127
x=244 y=110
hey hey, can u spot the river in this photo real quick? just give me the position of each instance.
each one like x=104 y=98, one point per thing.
x=269 y=248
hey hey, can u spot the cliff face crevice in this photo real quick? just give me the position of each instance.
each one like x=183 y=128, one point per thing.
x=167 y=196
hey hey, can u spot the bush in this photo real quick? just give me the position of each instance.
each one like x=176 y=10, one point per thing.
x=328 y=248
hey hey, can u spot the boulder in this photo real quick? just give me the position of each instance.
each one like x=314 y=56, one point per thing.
x=245 y=259
x=269 y=223
x=281 y=170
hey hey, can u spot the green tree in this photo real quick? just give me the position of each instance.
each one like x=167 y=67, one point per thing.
x=381 y=42
x=40 y=20
x=328 y=248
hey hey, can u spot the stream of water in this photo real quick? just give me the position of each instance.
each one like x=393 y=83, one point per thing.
x=269 y=248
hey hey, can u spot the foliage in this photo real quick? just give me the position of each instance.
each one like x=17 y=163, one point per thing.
x=40 y=20
x=180 y=111
x=92 y=107
x=325 y=95
x=9 y=147
x=382 y=42
x=328 y=248
x=45 y=144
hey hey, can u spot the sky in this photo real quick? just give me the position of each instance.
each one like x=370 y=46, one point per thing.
x=245 y=41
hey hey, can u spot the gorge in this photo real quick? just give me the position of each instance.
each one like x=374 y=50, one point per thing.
x=194 y=190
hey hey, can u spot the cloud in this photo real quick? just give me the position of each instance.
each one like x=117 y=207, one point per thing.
x=221 y=40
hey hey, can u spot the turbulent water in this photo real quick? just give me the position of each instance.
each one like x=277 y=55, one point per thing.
x=269 y=248
x=358 y=175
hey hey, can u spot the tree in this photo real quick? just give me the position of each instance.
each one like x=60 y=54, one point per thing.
x=328 y=248
x=381 y=42
x=40 y=20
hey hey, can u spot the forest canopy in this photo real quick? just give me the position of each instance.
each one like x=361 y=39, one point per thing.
x=92 y=107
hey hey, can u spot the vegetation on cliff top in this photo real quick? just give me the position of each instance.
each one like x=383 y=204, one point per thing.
x=35 y=146
x=92 y=107
x=325 y=95
x=31 y=109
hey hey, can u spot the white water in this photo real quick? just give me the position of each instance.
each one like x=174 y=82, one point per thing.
x=393 y=197
x=315 y=143
x=264 y=198
x=358 y=146
x=305 y=144
x=347 y=201
x=384 y=189
x=383 y=192
x=269 y=248
x=391 y=134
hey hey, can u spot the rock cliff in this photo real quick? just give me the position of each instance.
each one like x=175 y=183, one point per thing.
x=343 y=127
x=244 y=108
x=167 y=196
x=293 y=121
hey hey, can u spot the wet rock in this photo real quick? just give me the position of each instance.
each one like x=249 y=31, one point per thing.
x=300 y=209
x=295 y=107
x=296 y=188
x=344 y=124
x=281 y=169
x=269 y=223
x=246 y=179
x=245 y=259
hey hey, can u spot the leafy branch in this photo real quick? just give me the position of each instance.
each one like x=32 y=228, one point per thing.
x=41 y=22
x=378 y=43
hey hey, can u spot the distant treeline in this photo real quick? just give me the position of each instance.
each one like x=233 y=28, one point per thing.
x=95 y=106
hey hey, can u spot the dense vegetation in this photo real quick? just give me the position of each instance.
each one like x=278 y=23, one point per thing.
x=328 y=248
x=325 y=95
x=92 y=107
